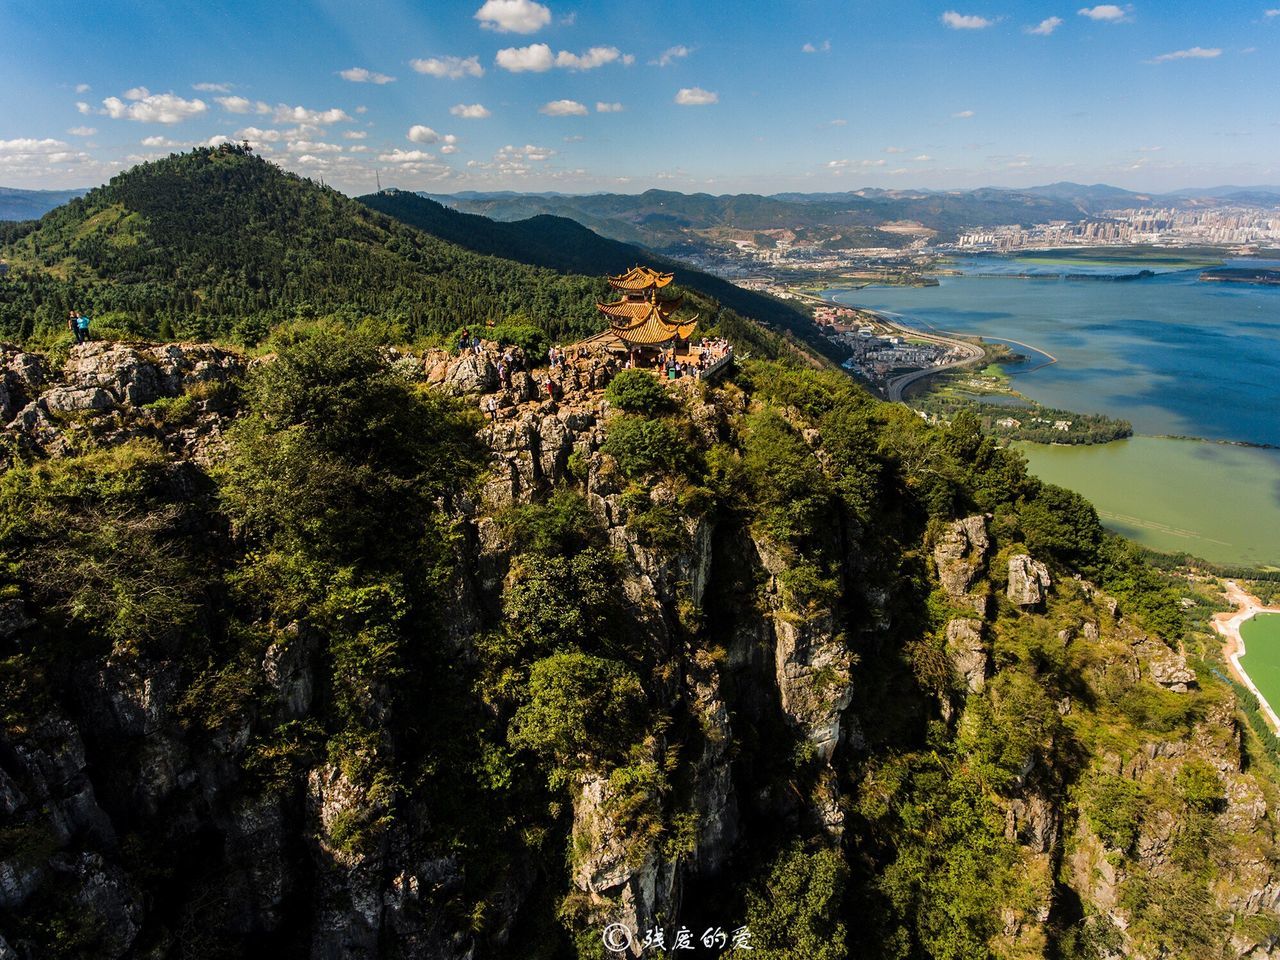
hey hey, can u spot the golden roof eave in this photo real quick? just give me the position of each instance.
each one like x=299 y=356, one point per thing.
x=640 y=278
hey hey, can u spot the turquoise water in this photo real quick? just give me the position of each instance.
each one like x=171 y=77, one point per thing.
x=1170 y=354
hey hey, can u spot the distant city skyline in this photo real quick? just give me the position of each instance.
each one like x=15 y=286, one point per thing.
x=811 y=96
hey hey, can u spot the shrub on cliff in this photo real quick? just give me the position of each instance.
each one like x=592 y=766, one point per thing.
x=579 y=710
x=642 y=446
x=636 y=391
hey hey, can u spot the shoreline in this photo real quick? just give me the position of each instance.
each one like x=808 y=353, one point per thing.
x=1227 y=625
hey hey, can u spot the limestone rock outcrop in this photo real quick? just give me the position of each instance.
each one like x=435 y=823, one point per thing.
x=1029 y=581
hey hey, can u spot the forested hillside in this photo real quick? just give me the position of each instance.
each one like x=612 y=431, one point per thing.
x=218 y=243
x=565 y=245
x=307 y=659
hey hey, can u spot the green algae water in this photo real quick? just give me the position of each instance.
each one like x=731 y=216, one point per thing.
x=1212 y=500
x=1261 y=635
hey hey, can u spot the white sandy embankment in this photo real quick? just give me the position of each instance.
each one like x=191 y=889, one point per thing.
x=1228 y=624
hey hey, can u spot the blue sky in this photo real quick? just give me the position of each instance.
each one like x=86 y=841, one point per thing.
x=583 y=96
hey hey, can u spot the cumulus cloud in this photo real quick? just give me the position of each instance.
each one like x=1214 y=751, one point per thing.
x=922 y=158
x=354 y=135
x=160 y=142
x=1045 y=27
x=470 y=111
x=145 y=107
x=1105 y=12
x=966 y=21
x=26 y=155
x=563 y=108
x=241 y=105
x=602 y=107
x=595 y=57
x=311 y=146
x=513 y=16
x=422 y=134
x=1192 y=53
x=82 y=131
x=256 y=135
x=671 y=55
x=449 y=67
x=212 y=87
x=405 y=156
x=287 y=114
x=538 y=58
x=361 y=75
x=696 y=97
x=823 y=47
x=84 y=108
x=535 y=58
x=963 y=115
x=83 y=88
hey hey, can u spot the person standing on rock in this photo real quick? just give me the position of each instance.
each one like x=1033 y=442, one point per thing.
x=71 y=325
x=492 y=407
x=82 y=328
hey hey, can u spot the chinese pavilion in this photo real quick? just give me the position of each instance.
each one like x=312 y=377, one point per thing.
x=642 y=322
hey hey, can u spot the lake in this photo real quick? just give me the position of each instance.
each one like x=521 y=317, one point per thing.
x=1170 y=354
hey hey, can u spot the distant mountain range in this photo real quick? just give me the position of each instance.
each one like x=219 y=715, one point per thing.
x=676 y=223
x=18 y=204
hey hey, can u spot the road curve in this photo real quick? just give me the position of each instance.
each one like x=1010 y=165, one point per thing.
x=1228 y=625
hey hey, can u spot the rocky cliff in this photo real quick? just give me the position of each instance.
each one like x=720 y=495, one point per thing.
x=811 y=667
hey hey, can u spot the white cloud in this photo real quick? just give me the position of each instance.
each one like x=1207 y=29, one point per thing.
x=922 y=158
x=84 y=108
x=1150 y=149
x=1045 y=27
x=894 y=150
x=1275 y=12
x=513 y=16
x=963 y=115
x=405 y=156
x=837 y=123
x=470 y=111
x=823 y=47
x=83 y=88
x=420 y=134
x=595 y=57
x=82 y=131
x=563 y=108
x=212 y=87
x=449 y=67
x=1105 y=12
x=671 y=55
x=256 y=135
x=965 y=21
x=160 y=142
x=534 y=58
x=311 y=146
x=361 y=75
x=27 y=156
x=287 y=114
x=696 y=97
x=241 y=105
x=837 y=164
x=354 y=135
x=602 y=107
x=152 y=108
x=358 y=148
x=1193 y=53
